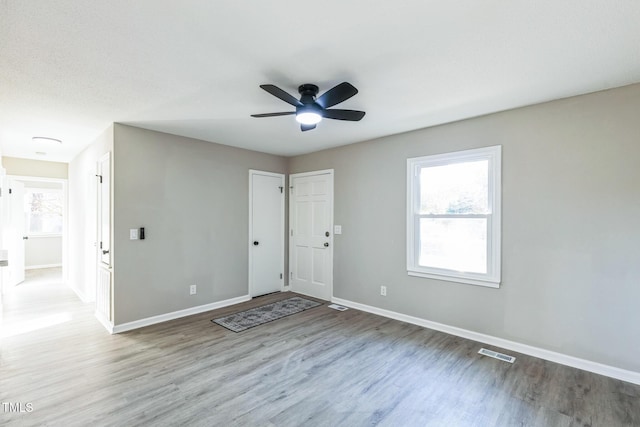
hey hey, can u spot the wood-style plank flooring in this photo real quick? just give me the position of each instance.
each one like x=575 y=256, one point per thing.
x=317 y=368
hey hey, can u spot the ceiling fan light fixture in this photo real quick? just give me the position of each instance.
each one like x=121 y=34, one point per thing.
x=46 y=139
x=308 y=117
x=310 y=109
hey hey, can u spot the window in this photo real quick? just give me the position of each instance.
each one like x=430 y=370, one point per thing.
x=43 y=210
x=453 y=216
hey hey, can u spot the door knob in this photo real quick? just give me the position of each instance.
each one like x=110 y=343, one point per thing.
x=104 y=252
x=326 y=233
x=326 y=244
x=25 y=237
x=256 y=243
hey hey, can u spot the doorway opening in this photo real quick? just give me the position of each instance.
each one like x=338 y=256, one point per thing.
x=34 y=229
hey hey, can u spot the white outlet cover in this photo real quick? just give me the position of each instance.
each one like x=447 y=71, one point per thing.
x=133 y=234
x=337 y=229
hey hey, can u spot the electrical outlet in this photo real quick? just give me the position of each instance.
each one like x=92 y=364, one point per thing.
x=383 y=291
x=192 y=290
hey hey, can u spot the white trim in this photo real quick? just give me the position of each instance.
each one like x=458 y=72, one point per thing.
x=563 y=359
x=177 y=314
x=104 y=321
x=454 y=278
x=83 y=297
x=493 y=155
x=282 y=177
x=34 y=267
x=320 y=172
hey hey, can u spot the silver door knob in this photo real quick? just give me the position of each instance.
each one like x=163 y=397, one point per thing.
x=326 y=244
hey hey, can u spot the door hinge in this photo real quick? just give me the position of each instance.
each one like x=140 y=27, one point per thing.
x=281 y=275
x=100 y=177
x=281 y=188
x=292 y=232
x=10 y=191
x=100 y=245
x=291 y=275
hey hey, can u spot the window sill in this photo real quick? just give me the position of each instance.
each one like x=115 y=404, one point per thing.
x=448 y=278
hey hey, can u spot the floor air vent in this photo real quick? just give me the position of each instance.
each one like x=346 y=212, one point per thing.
x=496 y=355
x=338 y=307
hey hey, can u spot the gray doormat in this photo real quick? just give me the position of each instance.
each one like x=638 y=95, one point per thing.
x=244 y=320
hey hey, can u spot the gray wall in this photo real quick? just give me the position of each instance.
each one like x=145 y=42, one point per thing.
x=571 y=203
x=192 y=198
x=28 y=167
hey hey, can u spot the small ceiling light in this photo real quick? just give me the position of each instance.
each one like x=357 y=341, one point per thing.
x=308 y=118
x=45 y=139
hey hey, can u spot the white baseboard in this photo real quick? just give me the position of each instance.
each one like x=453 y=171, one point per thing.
x=35 y=267
x=563 y=359
x=177 y=314
x=104 y=322
x=80 y=294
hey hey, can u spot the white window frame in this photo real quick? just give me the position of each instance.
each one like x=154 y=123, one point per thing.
x=28 y=215
x=494 y=156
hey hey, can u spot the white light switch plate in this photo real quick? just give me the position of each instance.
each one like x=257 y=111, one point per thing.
x=133 y=234
x=337 y=229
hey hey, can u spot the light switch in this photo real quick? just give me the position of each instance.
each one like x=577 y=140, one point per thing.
x=337 y=229
x=133 y=234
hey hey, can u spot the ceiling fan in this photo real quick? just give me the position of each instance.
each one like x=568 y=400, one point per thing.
x=310 y=110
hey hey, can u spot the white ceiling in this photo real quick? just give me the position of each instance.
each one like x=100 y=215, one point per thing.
x=69 y=68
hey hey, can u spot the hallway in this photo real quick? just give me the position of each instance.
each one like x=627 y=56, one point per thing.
x=42 y=307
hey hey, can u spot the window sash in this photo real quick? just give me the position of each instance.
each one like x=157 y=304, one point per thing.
x=414 y=165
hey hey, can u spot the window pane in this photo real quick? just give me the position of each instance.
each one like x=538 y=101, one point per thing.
x=44 y=212
x=458 y=244
x=460 y=188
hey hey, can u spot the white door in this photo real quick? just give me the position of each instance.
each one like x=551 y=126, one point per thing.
x=104 y=209
x=311 y=236
x=16 y=232
x=104 y=308
x=266 y=232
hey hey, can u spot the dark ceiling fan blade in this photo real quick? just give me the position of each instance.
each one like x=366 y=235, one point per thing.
x=279 y=93
x=336 y=95
x=284 y=113
x=350 y=115
x=304 y=128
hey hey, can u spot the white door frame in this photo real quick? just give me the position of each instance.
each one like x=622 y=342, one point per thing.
x=300 y=175
x=282 y=177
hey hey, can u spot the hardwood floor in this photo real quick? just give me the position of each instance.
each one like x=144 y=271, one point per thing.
x=320 y=367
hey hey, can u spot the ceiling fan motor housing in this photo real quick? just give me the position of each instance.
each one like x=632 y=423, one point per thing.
x=308 y=93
